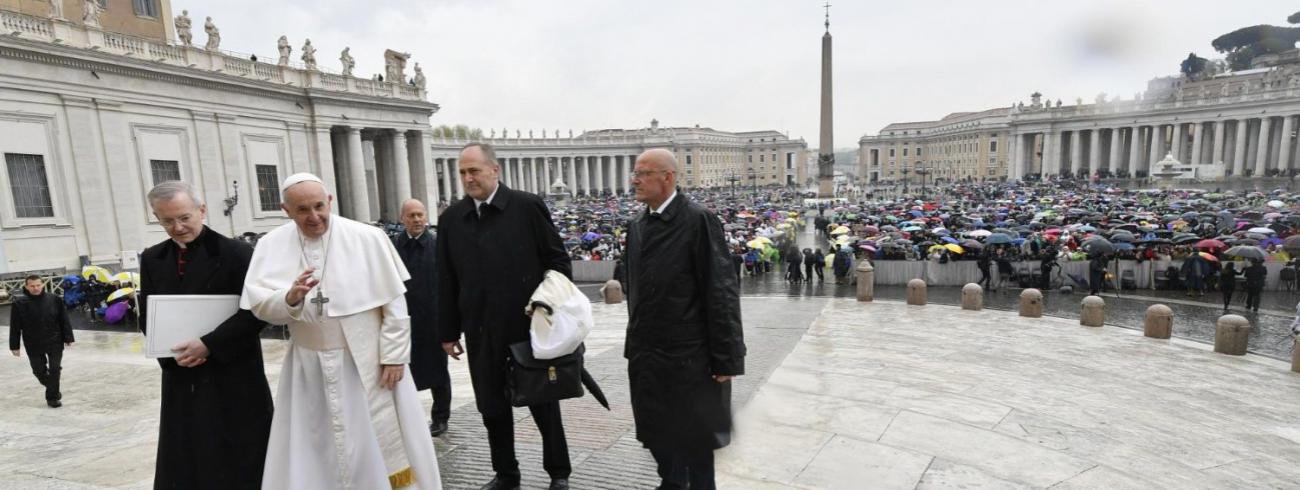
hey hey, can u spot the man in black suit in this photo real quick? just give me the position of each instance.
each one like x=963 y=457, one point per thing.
x=39 y=321
x=216 y=405
x=418 y=248
x=685 y=342
x=495 y=246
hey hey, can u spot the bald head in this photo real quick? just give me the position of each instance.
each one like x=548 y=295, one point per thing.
x=655 y=176
x=415 y=217
x=659 y=159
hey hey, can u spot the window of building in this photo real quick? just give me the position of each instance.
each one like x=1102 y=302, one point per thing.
x=146 y=8
x=918 y=151
x=165 y=170
x=688 y=159
x=268 y=187
x=29 y=185
x=904 y=151
x=891 y=152
x=993 y=146
x=760 y=158
x=751 y=158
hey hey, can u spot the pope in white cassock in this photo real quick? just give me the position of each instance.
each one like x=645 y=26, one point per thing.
x=346 y=416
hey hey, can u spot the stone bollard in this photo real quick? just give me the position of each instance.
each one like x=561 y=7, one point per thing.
x=1031 y=303
x=612 y=291
x=1295 y=357
x=972 y=297
x=1159 y=323
x=916 y=292
x=1094 y=312
x=1230 y=334
x=866 y=281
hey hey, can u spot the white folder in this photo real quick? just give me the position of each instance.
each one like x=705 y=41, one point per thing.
x=176 y=318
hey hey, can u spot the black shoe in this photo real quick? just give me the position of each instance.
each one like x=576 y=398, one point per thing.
x=54 y=403
x=437 y=428
x=496 y=484
x=559 y=484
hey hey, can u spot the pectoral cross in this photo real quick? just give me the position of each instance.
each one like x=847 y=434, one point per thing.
x=320 y=301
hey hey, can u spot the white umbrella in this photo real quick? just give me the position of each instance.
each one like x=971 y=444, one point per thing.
x=1276 y=204
x=979 y=233
x=1261 y=229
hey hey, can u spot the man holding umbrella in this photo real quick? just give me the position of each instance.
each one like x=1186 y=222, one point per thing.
x=1255 y=275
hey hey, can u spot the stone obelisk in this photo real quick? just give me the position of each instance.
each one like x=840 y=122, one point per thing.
x=826 y=148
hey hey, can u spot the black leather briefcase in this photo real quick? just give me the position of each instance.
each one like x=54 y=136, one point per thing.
x=531 y=381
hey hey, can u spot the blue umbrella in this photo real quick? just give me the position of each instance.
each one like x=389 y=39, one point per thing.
x=948 y=239
x=999 y=239
x=590 y=236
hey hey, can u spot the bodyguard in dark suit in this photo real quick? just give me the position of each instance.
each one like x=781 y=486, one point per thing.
x=418 y=248
x=684 y=336
x=39 y=321
x=494 y=247
x=216 y=405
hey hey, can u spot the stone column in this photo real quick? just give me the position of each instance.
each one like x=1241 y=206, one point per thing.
x=401 y=165
x=1094 y=151
x=1261 y=155
x=1239 y=149
x=460 y=184
x=1284 y=153
x=546 y=176
x=357 y=177
x=1157 y=146
x=589 y=169
x=1116 y=143
x=600 y=175
x=1049 y=153
x=1217 y=155
x=424 y=176
x=1134 y=150
x=1076 y=153
x=323 y=147
x=572 y=174
x=1197 y=130
x=1176 y=144
x=448 y=170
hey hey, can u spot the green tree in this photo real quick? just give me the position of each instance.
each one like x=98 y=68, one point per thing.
x=1243 y=45
x=1193 y=66
x=458 y=131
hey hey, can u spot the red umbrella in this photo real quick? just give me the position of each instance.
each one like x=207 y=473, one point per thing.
x=1208 y=256
x=1210 y=244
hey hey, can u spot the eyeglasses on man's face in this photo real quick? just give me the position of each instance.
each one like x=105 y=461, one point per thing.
x=641 y=174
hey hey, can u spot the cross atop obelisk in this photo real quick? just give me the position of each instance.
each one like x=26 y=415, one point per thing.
x=826 y=147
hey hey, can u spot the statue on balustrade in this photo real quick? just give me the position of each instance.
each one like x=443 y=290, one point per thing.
x=345 y=59
x=56 y=9
x=1101 y=98
x=285 y=49
x=90 y=13
x=309 y=55
x=395 y=65
x=420 y=82
x=214 y=35
x=183 y=31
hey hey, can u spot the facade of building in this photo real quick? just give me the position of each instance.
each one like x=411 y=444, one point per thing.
x=1226 y=125
x=92 y=117
x=964 y=145
x=601 y=161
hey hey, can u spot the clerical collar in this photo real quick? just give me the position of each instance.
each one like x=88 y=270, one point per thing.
x=662 y=207
x=198 y=239
x=479 y=204
x=417 y=237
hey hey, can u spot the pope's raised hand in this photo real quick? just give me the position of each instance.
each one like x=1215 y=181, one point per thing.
x=300 y=287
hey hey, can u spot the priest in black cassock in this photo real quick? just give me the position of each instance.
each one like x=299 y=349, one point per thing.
x=216 y=404
x=417 y=247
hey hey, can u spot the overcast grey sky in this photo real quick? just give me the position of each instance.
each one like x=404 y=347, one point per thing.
x=742 y=64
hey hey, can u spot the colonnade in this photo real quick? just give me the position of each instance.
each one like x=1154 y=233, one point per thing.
x=586 y=175
x=1246 y=146
x=377 y=169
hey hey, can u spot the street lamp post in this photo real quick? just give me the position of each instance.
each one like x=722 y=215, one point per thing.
x=753 y=176
x=905 y=170
x=923 y=172
x=731 y=177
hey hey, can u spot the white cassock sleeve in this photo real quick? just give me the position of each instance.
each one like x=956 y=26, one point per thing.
x=394 y=333
x=276 y=310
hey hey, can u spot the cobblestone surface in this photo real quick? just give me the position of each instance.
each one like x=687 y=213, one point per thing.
x=602 y=444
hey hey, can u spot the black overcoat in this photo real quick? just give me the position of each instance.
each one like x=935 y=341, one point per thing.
x=216 y=417
x=428 y=360
x=489 y=267
x=683 y=327
x=40 y=322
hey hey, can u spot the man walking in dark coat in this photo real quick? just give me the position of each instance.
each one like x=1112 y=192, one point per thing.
x=39 y=321
x=684 y=336
x=417 y=247
x=495 y=246
x=1255 y=276
x=216 y=405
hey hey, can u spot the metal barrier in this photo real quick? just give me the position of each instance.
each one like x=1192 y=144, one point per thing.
x=12 y=283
